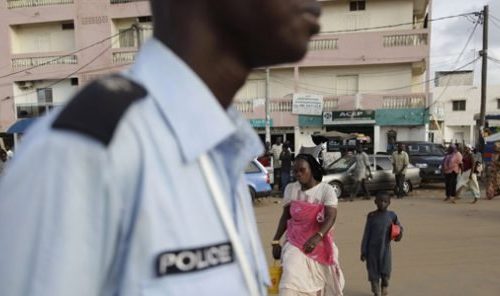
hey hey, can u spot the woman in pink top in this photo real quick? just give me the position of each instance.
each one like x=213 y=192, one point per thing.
x=309 y=255
x=452 y=166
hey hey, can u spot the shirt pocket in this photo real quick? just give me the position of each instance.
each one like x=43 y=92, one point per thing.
x=222 y=280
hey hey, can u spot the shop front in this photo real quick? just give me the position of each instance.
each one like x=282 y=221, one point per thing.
x=394 y=125
x=359 y=123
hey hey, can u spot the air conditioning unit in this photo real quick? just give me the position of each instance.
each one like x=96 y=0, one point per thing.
x=25 y=84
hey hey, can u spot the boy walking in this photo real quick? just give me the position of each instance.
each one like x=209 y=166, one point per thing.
x=376 y=244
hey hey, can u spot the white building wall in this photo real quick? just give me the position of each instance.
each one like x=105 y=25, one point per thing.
x=337 y=17
x=45 y=37
x=456 y=122
x=61 y=92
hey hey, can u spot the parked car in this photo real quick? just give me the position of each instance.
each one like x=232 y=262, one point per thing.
x=428 y=157
x=339 y=175
x=257 y=179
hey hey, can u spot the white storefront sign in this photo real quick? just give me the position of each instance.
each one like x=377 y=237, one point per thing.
x=305 y=104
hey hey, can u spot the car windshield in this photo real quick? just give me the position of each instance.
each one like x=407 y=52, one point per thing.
x=424 y=149
x=341 y=165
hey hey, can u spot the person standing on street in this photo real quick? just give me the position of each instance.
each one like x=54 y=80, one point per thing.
x=361 y=172
x=276 y=149
x=136 y=186
x=400 y=161
x=468 y=178
x=451 y=166
x=376 y=244
x=310 y=257
x=286 y=166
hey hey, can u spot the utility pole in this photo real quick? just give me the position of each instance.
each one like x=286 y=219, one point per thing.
x=268 y=109
x=484 y=75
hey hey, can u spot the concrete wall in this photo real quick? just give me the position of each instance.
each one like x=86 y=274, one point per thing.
x=336 y=15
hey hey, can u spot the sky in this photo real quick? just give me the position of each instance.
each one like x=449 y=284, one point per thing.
x=450 y=36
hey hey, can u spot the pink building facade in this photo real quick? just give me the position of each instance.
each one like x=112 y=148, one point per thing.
x=51 y=47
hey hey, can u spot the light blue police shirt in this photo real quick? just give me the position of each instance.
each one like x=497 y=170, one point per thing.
x=134 y=217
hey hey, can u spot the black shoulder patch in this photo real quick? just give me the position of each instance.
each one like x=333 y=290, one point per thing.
x=97 y=109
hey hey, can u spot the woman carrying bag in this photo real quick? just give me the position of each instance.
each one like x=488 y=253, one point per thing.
x=309 y=255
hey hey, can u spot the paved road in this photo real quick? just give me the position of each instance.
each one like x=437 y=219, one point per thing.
x=448 y=249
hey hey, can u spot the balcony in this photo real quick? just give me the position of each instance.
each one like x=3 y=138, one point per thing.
x=123 y=56
x=21 y=61
x=35 y=3
x=367 y=48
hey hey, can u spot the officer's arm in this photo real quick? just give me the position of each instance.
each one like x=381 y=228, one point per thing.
x=58 y=219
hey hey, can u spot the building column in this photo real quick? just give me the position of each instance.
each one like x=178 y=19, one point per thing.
x=376 y=139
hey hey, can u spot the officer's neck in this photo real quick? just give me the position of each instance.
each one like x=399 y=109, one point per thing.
x=199 y=45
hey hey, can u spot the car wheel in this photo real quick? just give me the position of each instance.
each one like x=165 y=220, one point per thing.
x=253 y=194
x=337 y=187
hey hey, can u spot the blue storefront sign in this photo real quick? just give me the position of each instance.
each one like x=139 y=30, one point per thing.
x=310 y=121
x=259 y=123
x=401 y=117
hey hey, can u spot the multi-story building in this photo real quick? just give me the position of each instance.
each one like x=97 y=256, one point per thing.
x=370 y=57
x=50 y=47
x=456 y=107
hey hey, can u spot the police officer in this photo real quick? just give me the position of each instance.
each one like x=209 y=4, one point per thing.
x=135 y=186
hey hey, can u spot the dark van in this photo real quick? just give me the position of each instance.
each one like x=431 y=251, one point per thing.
x=428 y=157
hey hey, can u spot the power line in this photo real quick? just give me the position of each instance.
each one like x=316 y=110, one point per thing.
x=71 y=74
x=66 y=55
x=456 y=62
x=401 y=24
x=332 y=90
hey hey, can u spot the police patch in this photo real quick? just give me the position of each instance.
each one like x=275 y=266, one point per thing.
x=192 y=260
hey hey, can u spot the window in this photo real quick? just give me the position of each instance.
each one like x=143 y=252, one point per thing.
x=44 y=95
x=252 y=168
x=127 y=38
x=498 y=103
x=145 y=19
x=68 y=26
x=74 y=81
x=459 y=105
x=357 y=5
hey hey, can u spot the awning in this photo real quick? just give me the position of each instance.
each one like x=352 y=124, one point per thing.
x=20 y=126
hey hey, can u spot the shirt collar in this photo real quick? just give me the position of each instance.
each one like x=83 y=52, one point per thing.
x=198 y=121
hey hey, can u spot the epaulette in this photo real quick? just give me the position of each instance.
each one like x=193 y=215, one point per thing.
x=97 y=109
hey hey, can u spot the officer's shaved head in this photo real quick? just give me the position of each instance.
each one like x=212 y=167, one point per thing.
x=261 y=32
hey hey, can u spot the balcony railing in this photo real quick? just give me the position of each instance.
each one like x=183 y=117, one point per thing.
x=244 y=106
x=26 y=62
x=405 y=40
x=323 y=44
x=281 y=105
x=124 y=1
x=34 y=3
x=124 y=57
x=367 y=48
x=330 y=104
x=403 y=102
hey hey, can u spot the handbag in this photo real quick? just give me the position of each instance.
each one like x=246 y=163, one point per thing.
x=395 y=231
x=275 y=272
